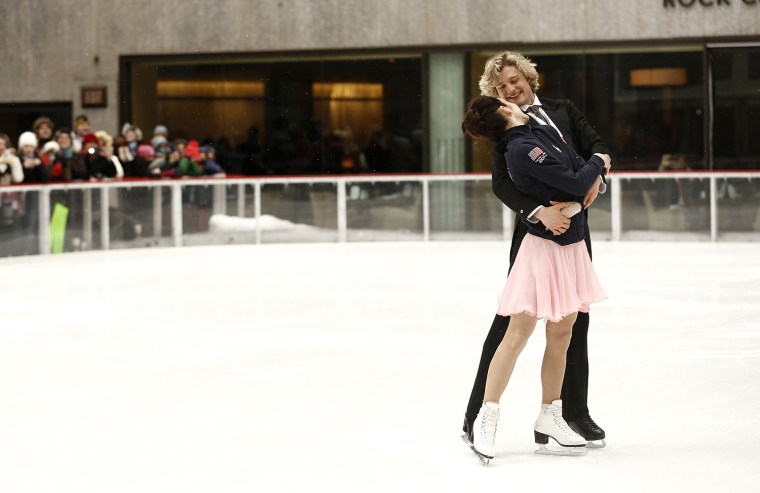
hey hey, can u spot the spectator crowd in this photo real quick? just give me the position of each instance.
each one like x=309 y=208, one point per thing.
x=46 y=154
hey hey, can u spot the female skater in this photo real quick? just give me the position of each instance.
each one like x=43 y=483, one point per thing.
x=552 y=277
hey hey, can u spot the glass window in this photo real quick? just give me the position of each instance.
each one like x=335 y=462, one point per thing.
x=736 y=107
x=355 y=111
x=643 y=105
x=205 y=109
x=288 y=116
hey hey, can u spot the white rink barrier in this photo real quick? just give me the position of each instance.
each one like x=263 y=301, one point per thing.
x=702 y=206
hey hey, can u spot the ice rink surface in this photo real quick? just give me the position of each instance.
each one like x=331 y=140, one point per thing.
x=347 y=368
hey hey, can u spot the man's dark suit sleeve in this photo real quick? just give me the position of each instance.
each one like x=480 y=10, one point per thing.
x=505 y=189
x=588 y=140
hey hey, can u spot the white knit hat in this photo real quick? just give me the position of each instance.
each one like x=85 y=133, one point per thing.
x=51 y=146
x=27 y=139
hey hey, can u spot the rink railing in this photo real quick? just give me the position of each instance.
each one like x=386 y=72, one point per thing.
x=710 y=192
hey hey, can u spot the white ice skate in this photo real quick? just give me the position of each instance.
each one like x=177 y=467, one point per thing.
x=484 y=432
x=550 y=424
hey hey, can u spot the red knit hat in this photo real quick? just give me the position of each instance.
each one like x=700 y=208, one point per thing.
x=90 y=138
x=192 y=150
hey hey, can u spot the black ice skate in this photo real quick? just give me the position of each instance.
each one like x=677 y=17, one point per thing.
x=588 y=429
x=467 y=432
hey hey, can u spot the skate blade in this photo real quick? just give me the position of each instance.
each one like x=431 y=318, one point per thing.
x=466 y=440
x=596 y=444
x=484 y=459
x=566 y=451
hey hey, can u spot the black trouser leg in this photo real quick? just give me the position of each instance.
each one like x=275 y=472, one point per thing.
x=575 y=384
x=495 y=336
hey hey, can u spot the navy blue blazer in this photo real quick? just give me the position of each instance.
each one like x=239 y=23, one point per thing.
x=543 y=165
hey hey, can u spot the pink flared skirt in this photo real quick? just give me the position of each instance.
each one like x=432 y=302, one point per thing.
x=550 y=281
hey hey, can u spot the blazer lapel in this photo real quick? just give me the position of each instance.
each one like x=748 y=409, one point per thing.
x=554 y=110
x=558 y=114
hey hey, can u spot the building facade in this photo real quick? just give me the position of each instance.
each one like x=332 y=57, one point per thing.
x=314 y=87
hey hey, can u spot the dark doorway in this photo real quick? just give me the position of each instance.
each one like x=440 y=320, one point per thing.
x=16 y=118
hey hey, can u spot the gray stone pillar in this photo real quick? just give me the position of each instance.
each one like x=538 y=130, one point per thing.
x=446 y=92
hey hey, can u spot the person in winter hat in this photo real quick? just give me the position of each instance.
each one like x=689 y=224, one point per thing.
x=49 y=156
x=132 y=132
x=191 y=162
x=106 y=144
x=159 y=131
x=210 y=166
x=34 y=171
x=77 y=168
x=81 y=128
x=145 y=156
x=146 y=151
x=43 y=129
x=27 y=139
x=65 y=154
x=158 y=140
x=92 y=162
x=11 y=170
x=122 y=150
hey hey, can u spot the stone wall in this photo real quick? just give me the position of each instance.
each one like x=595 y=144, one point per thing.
x=50 y=48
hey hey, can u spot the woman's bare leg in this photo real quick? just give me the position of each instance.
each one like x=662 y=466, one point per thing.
x=553 y=367
x=503 y=363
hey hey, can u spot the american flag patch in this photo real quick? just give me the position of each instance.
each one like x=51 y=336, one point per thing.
x=537 y=155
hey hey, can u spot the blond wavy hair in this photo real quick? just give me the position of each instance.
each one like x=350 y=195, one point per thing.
x=105 y=140
x=490 y=78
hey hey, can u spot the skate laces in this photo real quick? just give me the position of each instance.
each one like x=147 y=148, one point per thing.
x=556 y=413
x=488 y=425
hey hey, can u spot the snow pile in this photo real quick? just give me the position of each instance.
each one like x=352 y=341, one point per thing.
x=220 y=223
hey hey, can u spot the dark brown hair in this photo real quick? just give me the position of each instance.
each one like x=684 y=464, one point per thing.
x=482 y=121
